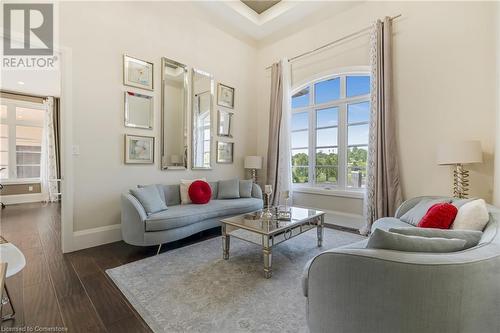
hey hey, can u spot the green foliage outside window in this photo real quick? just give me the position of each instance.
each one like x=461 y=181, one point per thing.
x=326 y=166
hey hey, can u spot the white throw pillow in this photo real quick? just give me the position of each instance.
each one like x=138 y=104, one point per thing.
x=472 y=216
x=184 y=188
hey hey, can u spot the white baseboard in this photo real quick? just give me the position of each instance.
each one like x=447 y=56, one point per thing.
x=96 y=236
x=21 y=198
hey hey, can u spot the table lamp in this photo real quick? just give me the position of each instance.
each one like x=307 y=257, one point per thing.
x=458 y=154
x=253 y=163
x=175 y=160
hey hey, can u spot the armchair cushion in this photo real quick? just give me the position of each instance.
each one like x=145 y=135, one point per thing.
x=472 y=216
x=439 y=216
x=150 y=198
x=381 y=239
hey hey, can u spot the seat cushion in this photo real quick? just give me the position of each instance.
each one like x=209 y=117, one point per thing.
x=182 y=215
x=387 y=223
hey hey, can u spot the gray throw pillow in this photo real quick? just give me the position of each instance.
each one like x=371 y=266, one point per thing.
x=256 y=191
x=381 y=239
x=150 y=199
x=160 y=190
x=215 y=189
x=414 y=215
x=246 y=188
x=229 y=189
x=471 y=237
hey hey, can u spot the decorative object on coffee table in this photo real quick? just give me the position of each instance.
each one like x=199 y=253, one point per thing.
x=253 y=163
x=253 y=228
x=268 y=214
x=458 y=154
x=284 y=211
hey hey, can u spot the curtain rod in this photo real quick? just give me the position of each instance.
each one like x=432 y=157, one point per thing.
x=332 y=43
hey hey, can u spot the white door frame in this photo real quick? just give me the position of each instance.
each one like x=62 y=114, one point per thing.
x=66 y=145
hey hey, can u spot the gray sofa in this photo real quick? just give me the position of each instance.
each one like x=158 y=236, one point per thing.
x=180 y=221
x=353 y=289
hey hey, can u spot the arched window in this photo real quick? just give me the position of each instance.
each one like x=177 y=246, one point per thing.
x=330 y=119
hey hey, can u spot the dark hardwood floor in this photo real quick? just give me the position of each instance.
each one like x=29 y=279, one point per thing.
x=70 y=290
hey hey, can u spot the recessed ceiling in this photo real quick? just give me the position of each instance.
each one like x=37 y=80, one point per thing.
x=260 y=6
x=277 y=17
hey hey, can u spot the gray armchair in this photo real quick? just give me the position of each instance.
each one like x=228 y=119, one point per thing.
x=353 y=289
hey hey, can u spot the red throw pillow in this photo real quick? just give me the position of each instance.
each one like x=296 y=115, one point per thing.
x=200 y=192
x=439 y=216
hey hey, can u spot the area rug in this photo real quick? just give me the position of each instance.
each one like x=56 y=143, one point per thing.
x=193 y=289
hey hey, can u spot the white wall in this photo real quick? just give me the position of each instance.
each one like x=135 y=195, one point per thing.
x=444 y=60
x=98 y=34
x=444 y=79
x=496 y=185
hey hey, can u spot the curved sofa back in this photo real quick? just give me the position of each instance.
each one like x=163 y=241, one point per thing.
x=173 y=196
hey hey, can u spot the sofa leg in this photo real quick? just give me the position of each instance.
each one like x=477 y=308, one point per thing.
x=159 y=248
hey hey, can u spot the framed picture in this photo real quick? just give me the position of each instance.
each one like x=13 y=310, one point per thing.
x=138 y=110
x=137 y=73
x=224 y=119
x=225 y=96
x=139 y=149
x=225 y=152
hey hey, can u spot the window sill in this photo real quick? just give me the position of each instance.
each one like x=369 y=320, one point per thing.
x=333 y=192
x=19 y=181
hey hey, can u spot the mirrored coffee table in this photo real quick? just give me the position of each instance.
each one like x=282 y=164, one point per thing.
x=251 y=227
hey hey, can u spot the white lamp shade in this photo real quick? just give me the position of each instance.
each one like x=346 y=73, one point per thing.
x=175 y=159
x=253 y=162
x=464 y=152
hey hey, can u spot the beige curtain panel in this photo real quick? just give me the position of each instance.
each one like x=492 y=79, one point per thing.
x=275 y=115
x=383 y=192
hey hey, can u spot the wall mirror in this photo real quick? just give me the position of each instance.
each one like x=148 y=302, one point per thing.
x=174 y=115
x=224 y=120
x=202 y=106
x=138 y=110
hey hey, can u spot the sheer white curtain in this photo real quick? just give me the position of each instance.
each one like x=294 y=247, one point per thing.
x=279 y=172
x=48 y=162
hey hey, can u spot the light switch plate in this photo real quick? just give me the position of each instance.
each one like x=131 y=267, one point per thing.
x=76 y=150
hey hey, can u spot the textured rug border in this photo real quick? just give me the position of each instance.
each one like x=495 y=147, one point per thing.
x=145 y=315
x=141 y=310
